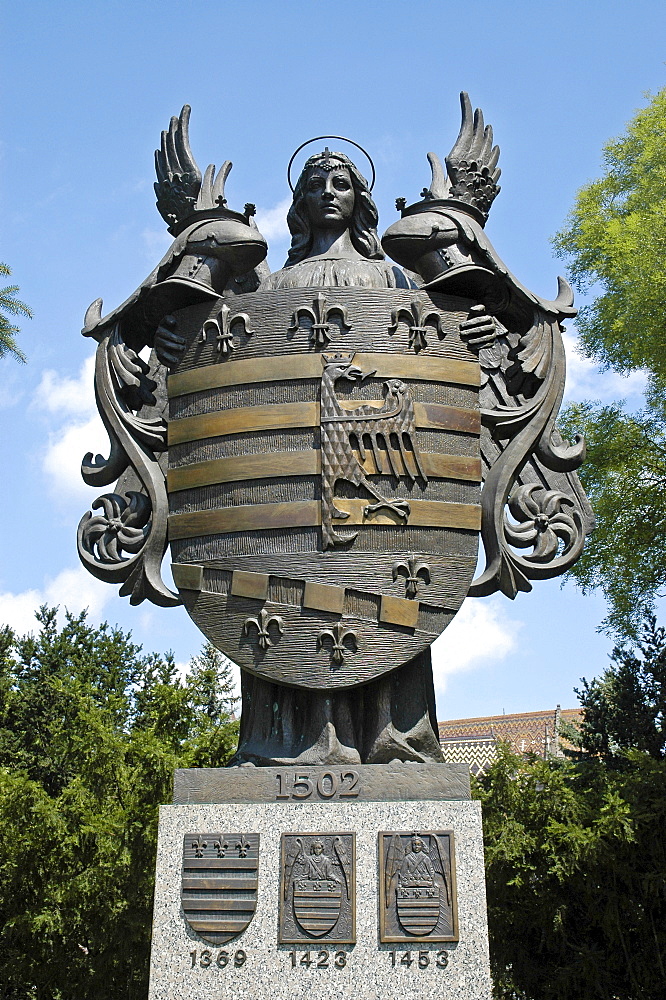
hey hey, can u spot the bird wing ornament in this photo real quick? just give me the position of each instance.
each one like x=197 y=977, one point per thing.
x=441 y=862
x=394 y=859
x=531 y=496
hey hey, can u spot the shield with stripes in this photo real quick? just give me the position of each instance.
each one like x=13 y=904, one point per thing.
x=418 y=908
x=324 y=477
x=219 y=883
x=317 y=905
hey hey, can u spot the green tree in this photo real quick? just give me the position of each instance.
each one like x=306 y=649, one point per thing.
x=625 y=708
x=575 y=869
x=10 y=304
x=614 y=243
x=625 y=478
x=575 y=851
x=90 y=732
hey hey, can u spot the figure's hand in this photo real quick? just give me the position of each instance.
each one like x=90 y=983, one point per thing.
x=169 y=345
x=479 y=330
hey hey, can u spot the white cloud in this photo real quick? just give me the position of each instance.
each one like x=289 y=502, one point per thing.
x=479 y=634
x=64 y=395
x=62 y=461
x=70 y=403
x=73 y=589
x=586 y=381
x=272 y=222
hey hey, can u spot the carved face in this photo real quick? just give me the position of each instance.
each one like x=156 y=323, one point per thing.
x=317 y=848
x=417 y=845
x=329 y=198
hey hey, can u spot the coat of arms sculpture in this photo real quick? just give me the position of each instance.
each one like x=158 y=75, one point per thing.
x=323 y=446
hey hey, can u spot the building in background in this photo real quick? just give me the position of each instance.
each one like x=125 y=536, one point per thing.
x=475 y=740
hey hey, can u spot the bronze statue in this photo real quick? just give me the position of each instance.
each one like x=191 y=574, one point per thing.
x=314 y=442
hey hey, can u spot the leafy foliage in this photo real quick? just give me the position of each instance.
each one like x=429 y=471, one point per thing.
x=575 y=869
x=615 y=239
x=10 y=304
x=90 y=733
x=575 y=848
x=625 y=709
x=615 y=245
x=625 y=479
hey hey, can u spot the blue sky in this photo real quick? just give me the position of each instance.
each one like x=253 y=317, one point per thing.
x=88 y=87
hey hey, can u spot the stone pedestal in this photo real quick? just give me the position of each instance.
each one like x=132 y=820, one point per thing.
x=338 y=824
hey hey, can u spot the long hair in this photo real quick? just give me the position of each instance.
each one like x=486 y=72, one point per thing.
x=363 y=227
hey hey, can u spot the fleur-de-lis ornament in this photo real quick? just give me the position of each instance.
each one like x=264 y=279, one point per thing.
x=338 y=635
x=199 y=846
x=243 y=846
x=320 y=317
x=221 y=325
x=412 y=568
x=263 y=623
x=418 y=317
x=221 y=846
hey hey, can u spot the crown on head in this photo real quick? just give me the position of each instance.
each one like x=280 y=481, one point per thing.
x=337 y=358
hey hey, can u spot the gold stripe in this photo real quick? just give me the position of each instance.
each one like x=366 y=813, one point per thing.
x=246 y=517
x=307 y=513
x=273 y=416
x=398 y=611
x=187 y=576
x=297 y=366
x=280 y=416
x=423 y=514
x=323 y=597
x=231 y=470
x=247 y=584
x=304 y=463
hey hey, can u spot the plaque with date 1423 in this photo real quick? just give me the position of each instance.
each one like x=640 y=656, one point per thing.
x=317 y=888
x=417 y=887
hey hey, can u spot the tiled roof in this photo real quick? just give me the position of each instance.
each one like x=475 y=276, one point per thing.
x=474 y=740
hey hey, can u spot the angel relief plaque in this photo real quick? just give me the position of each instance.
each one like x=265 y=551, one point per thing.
x=417 y=887
x=317 y=888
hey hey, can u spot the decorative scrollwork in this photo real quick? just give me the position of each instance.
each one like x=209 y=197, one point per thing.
x=543 y=524
x=524 y=451
x=121 y=528
x=125 y=544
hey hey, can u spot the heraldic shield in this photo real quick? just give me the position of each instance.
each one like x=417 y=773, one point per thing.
x=219 y=883
x=324 y=477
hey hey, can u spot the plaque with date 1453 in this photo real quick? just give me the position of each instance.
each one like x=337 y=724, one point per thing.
x=417 y=887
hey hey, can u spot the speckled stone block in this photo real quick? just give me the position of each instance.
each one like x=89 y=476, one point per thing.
x=179 y=969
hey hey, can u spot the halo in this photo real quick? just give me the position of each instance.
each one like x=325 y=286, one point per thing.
x=317 y=139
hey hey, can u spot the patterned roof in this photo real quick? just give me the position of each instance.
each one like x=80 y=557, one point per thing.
x=475 y=740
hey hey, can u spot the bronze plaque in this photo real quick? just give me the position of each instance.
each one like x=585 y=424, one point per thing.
x=317 y=888
x=417 y=887
x=219 y=884
x=328 y=487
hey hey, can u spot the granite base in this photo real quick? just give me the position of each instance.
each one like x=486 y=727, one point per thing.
x=186 y=967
